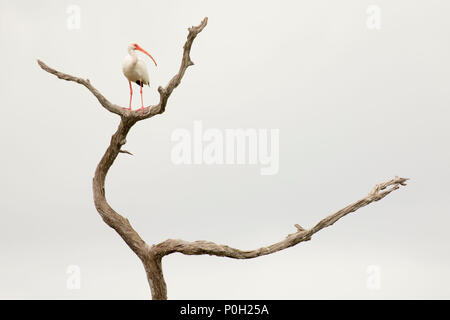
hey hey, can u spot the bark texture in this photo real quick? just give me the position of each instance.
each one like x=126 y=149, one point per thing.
x=151 y=256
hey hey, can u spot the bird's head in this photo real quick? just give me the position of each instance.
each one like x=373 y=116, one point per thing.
x=132 y=47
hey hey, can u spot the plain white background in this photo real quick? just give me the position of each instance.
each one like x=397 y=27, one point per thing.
x=354 y=106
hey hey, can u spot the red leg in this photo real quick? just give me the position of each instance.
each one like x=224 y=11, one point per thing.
x=142 y=101
x=131 y=94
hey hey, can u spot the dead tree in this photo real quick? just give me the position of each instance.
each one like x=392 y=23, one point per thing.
x=151 y=255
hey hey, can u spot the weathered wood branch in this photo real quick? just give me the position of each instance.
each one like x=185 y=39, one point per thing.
x=85 y=82
x=206 y=247
x=164 y=93
x=151 y=256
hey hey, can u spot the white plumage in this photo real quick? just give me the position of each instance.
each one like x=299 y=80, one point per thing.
x=135 y=69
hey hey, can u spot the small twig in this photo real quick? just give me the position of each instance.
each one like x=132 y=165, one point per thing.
x=126 y=151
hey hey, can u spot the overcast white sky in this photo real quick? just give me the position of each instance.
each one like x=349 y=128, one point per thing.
x=354 y=107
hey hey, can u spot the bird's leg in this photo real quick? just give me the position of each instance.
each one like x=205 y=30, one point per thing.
x=131 y=94
x=142 y=100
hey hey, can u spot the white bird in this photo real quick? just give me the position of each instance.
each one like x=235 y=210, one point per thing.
x=135 y=69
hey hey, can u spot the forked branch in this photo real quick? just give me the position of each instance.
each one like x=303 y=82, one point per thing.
x=164 y=93
x=151 y=255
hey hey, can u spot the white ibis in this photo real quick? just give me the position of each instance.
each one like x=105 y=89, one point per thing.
x=135 y=69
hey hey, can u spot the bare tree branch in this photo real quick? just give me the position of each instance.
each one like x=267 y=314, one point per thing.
x=151 y=256
x=85 y=82
x=206 y=247
x=164 y=93
x=109 y=215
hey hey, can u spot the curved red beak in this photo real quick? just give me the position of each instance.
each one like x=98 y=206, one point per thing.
x=142 y=50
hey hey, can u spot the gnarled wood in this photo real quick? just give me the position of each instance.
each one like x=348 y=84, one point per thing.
x=151 y=256
x=206 y=247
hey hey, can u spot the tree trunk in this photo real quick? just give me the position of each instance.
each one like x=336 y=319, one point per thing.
x=155 y=277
